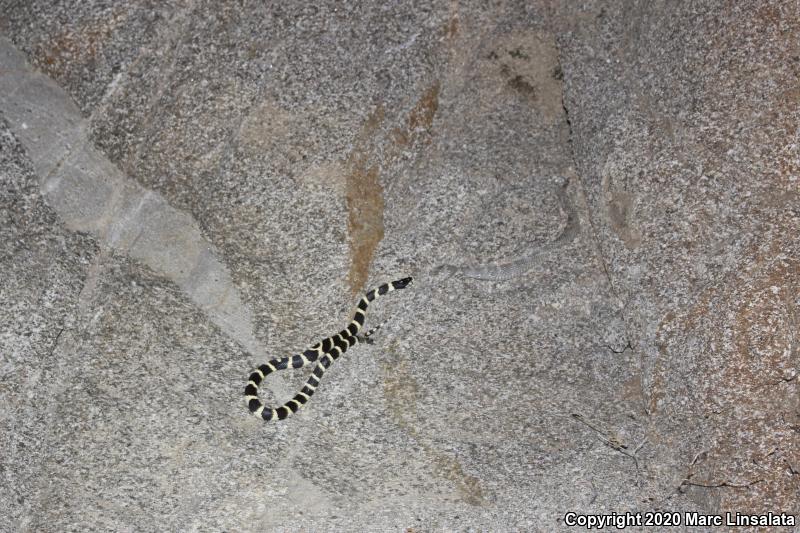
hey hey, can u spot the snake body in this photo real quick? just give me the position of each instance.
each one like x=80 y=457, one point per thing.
x=324 y=353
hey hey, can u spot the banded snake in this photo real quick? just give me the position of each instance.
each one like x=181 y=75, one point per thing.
x=324 y=353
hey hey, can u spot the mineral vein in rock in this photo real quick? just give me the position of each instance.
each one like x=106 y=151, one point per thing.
x=91 y=194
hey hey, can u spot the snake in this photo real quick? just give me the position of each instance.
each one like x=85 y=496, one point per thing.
x=323 y=353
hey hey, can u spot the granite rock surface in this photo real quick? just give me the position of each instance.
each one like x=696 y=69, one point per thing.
x=599 y=203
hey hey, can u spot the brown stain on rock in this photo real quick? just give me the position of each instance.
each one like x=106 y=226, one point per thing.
x=748 y=328
x=364 y=203
x=451 y=28
x=363 y=189
x=401 y=392
x=421 y=116
x=528 y=62
x=364 y=200
x=759 y=384
x=420 y=120
x=521 y=85
x=746 y=388
x=619 y=208
x=78 y=46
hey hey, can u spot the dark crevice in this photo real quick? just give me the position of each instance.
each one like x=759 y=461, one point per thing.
x=576 y=167
x=569 y=125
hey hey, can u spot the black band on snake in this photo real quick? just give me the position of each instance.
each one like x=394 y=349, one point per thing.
x=324 y=353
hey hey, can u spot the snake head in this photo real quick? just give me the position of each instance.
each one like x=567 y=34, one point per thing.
x=401 y=283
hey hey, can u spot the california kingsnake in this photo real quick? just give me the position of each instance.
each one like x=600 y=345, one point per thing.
x=324 y=353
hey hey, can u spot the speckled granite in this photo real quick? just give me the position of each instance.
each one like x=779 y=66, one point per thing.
x=599 y=202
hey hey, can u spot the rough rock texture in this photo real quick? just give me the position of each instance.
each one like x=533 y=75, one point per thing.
x=599 y=202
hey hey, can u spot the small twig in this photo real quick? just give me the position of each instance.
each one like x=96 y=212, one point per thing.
x=698 y=456
x=687 y=480
x=640 y=446
x=613 y=442
x=722 y=484
x=55 y=342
